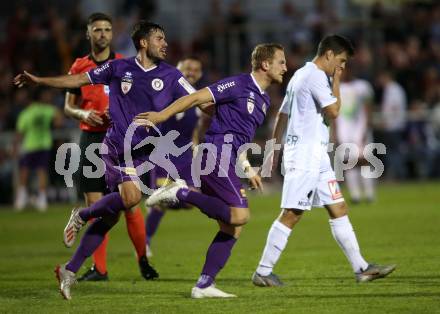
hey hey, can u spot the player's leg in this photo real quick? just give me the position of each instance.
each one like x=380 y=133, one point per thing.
x=353 y=180
x=98 y=272
x=136 y=230
x=93 y=190
x=21 y=197
x=90 y=241
x=275 y=244
x=367 y=183
x=152 y=222
x=329 y=195
x=218 y=254
x=41 y=203
x=297 y=195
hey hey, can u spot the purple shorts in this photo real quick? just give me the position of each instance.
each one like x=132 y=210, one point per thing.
x=36 y=160
x=229 y=189
x=117 y=170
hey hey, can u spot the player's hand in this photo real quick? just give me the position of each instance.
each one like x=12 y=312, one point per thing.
x=256 y=183
x=92 y=118
x=149 y=118
x=25 y=78
x=338 y=73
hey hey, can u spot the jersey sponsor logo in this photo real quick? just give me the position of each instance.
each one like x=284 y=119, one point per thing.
x=251 y=103
x=186 y=85
x=126 y=82
x=291 y=139
x=222 y=87
x=101 y=68
x=335 y=191
x=157 y=84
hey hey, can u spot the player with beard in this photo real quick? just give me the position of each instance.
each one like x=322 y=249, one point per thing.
x=136 y=84
x=94 y=122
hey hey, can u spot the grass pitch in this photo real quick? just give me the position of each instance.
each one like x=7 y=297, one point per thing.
x=402 y=227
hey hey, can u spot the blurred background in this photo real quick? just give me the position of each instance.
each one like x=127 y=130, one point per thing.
x=397 y=46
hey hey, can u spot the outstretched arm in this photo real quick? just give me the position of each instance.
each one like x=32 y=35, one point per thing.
x=63 y=81
x=182 y=104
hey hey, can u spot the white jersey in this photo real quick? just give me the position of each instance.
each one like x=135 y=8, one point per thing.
x=352 y=120
x=307 y=135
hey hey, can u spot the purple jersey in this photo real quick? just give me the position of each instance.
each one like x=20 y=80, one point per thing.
x=240 y=108
x=134 y=89
x=185 y=123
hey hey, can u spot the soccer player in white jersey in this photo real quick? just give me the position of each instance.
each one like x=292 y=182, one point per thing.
x=352 y=127
x=311 y=101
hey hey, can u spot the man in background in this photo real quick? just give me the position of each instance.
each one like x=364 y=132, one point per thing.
x=186 y=124
x=34 y=130
x=353 y=126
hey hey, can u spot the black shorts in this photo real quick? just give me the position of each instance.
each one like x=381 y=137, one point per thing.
x=83 y=184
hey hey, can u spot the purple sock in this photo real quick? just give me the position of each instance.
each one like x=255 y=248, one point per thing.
x=92 y=238
x=111 y=204
x=212 y=207
x=216 y=258
x=152 y=221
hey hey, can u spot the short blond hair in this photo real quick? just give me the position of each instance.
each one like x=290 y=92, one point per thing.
x=264 y=52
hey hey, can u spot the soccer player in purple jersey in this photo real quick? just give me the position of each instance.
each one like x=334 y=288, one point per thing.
x=136 y=84
x=186 y=124
x=240 y=108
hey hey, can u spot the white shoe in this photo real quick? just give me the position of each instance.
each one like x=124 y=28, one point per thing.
x=72 y=228
x=209 y=292
x=166 y=194
x=66 y=279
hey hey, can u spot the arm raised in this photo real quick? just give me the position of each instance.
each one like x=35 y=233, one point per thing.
x=62 y=81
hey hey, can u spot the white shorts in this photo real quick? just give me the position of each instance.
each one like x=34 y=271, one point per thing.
x=304 y=189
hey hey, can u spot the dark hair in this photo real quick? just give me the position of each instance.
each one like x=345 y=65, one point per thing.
x=336 y=43
x=264 y=52
x=98 y=16
x=143 y=29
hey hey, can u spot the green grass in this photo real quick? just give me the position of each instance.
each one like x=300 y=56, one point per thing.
x=403 y=227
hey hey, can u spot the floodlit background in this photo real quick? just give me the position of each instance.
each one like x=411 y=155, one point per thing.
x=395 y=39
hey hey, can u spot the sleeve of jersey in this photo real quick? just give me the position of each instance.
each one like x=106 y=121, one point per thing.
x=183 y=88
x=101 y=74
x=224 y=90
x=287 y=102
x=76 y=91
x=321 y=91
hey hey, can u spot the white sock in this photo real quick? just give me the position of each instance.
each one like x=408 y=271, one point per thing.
x=343 y=233
x=352 y=178
x=275 y=244
x=368 y=188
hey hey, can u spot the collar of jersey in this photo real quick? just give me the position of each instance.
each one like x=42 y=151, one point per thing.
x=111 y=56
x=144 y=69
x=256 y=84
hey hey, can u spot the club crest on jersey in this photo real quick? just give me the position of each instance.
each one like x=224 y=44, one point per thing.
x=126 y=82
x=157 y=84
x=334 y=189
x=251 y=102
